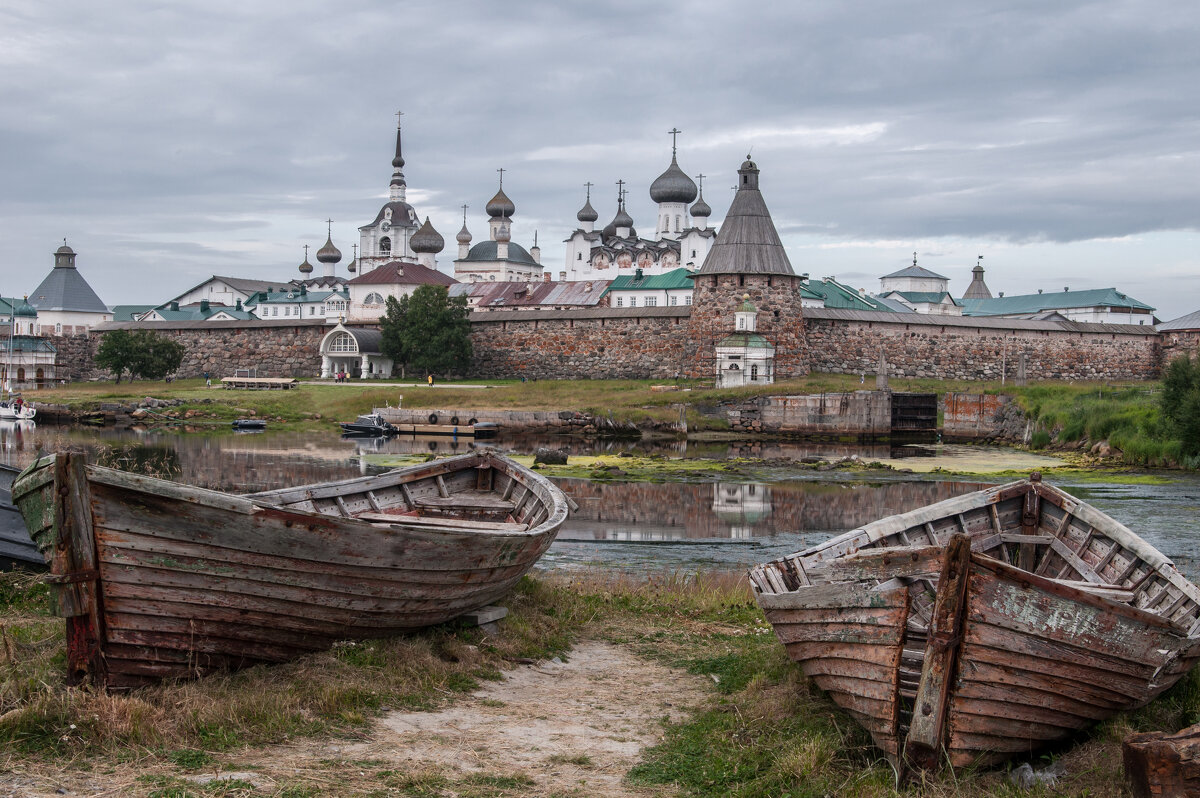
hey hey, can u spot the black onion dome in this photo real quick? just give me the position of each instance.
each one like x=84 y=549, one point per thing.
x=622 y=219
x=587 y=213
x=673 y=185
x=500 y=205
x=329 y=253
x=426 y=239
x=306 y=267
x=464 y=235
x=352 y=266
x=701 y=207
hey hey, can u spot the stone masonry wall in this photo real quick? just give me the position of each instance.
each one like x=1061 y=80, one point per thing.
x=979 y=353
x=1175 y=344
x=630 y=347
x=717 y=297
x=220 y=349
x=662 y=343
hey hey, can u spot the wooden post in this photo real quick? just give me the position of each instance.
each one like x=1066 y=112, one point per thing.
x=1030 y=512
x=75 y=571
x=1160 y=765
x=881 y=375
x=923 y=748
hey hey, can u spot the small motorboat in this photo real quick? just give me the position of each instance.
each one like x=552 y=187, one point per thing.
x=12 y=411
x=162 y=580
x=370 y=425
x=249 y=423
x=986 y=626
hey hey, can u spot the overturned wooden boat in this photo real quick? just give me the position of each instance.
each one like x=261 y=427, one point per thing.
x=162 y=580
x=985 y=626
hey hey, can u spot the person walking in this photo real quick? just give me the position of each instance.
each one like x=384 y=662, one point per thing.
x=430 y=380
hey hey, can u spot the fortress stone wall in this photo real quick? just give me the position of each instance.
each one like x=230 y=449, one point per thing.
x=662 y=343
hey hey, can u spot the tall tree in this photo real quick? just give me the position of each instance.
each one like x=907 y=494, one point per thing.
x=394 y=343
x=438 y=332
x=1180 y=402
x=140 y=353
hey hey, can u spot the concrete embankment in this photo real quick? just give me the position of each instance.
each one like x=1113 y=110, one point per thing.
x=513 y=420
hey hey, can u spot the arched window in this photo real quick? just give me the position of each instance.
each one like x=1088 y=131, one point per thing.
x=343 y=342
x=385 y=245
x=677 y=223
x=753 y=373
x=373 y=298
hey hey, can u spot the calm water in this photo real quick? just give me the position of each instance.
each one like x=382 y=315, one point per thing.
x=636 y=525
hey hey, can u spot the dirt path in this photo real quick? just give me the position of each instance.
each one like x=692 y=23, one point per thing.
x=555 y=728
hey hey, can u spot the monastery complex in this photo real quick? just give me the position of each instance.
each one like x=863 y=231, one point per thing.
x=687 y=300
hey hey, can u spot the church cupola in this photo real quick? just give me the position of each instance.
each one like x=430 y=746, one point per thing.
x=64 y=257
x=397 y=187
x=587 y=215
x=622 y=224
x=672 y=190
x=306 y=267
x=426 y=243
x=329 y=254
x=535 y=252
x=464 y=237
x=500 y=210
x=746 y=316
x=700 y=211
x=352 y=266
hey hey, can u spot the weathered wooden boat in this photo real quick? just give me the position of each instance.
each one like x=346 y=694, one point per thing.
x=370 y=425
x=16 y=547
x=985 y=626
x=162 y=580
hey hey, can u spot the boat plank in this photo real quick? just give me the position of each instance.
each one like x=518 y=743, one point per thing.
x=923 y=745
x=1161 y=764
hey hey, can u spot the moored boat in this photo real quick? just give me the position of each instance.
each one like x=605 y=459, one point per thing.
x=163 y=580
x=249 y=423
x=371 y=425
x=10 y=410
x=985 y=626
x=16 y=548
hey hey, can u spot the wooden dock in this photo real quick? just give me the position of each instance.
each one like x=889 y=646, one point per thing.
x=259 y=383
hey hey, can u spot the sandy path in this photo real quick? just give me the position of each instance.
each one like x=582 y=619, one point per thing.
x=570 y=728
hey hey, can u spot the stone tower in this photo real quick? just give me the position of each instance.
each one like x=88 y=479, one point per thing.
x=748 y=259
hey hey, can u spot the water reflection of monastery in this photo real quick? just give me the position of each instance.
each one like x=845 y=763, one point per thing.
x=644 y=512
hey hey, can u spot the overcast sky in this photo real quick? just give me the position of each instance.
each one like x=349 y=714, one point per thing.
x=170 y=141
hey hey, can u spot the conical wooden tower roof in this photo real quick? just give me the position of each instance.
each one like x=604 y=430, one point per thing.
x=747 y=242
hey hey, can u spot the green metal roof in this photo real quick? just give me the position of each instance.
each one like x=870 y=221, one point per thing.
x=837 y=295
x=675 y=279
x=749 y=340
x=291 y=297
x=1032 y=303
x=932 y=297
x=127 y=312
x=26 y=343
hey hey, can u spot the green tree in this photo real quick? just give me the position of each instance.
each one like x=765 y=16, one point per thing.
x=140 y=353
x=1180 y=403
x=394 y=343
x=437 y=332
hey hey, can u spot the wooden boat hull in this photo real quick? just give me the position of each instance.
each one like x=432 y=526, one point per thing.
x=16 y=548
x=928 y=630
x=162 y=580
